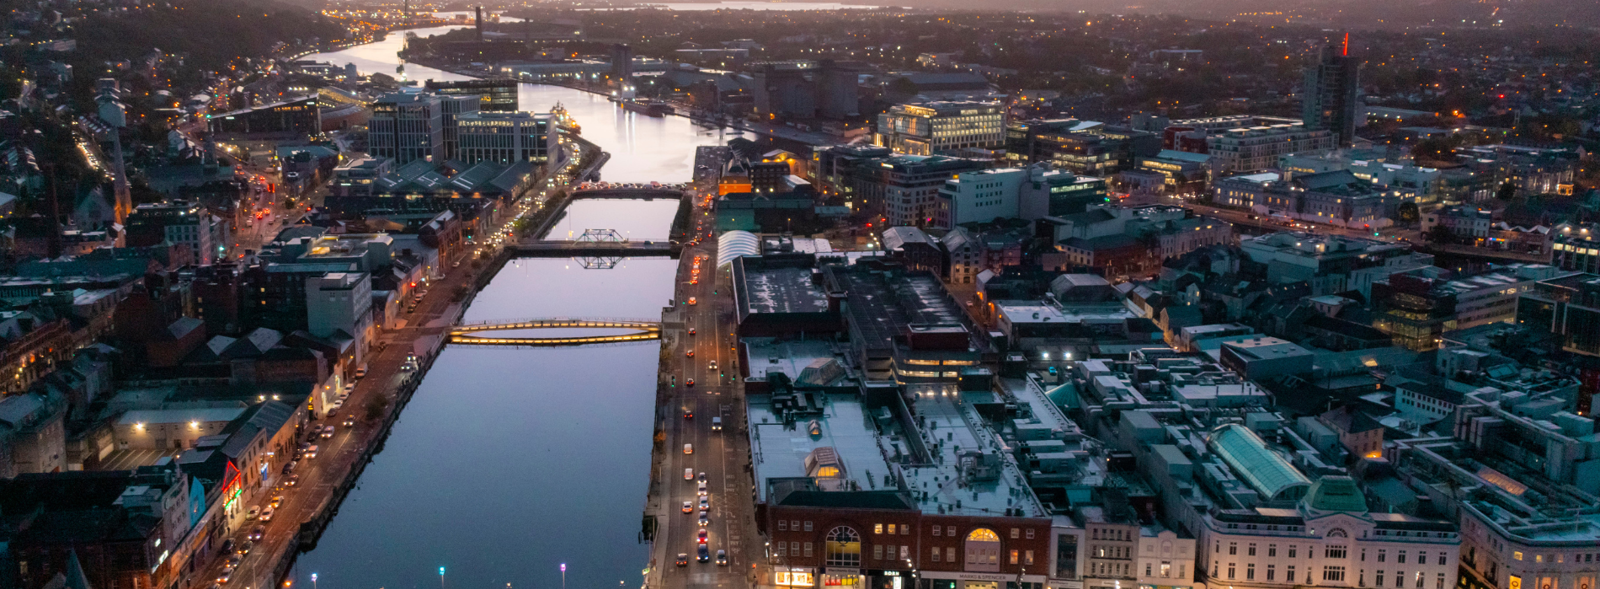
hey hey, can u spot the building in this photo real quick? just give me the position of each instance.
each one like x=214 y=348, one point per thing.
x=942 y=127
x=406 y=127
x=1132 y=241
x=1331 y=99
x=291 y=119
x=1566 y=307
x=1329 y=538
x=1533 y=170
x=1087 y=148
x=1032 y=192
x=181 y=223
x=506 y=137
x=1247 y=150
x=1182 y=173
x=494 y=95
x=339 y=305
x=1266 y=357
x=905 y=189
x=1408 y=181
x=1332 y=198
x=32 y=433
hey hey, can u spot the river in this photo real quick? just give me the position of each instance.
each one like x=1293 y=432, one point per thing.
x=510 y=462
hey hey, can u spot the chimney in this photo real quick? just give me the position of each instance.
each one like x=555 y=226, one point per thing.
x=480 y=24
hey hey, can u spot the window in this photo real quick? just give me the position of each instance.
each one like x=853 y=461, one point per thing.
x=1013 y=557
x=808 y=552
x=1291 y=551
x=1016 y=533
x=1361 y=578
x=1147 y=568
x=1401 y=557
x=877 y=552
x=1363 y=555
x=905 y=530
x=1438 y=581
x=1271 y=571
x=783 y=525
x=1217 y=548
x=950 y=555
x=1442 y=557
x=1382 y=554
x=1333 y=552
x=1288 y=573
x=1420 y=575
x=905 y=552
x=1029 y=533
x=1230 y=571
x=950 y=531
x=877 y=528
x=843 y=548
x=1333 y=573
x=936 y=554
x=1027 y=557
x=783 y=549
x=1166 y=569
x=1516 y=555
x=794 y=525
x=1250 y=571
x=1399 y=578
x=1377 y=579
x=1272 y=550
x=1233 y=548
x=891 y=529
x=1252 y=549
x=1422 y=557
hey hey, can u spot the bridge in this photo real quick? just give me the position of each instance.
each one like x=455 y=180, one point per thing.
x=468 y=334
x=596 y=248
x=627 y=192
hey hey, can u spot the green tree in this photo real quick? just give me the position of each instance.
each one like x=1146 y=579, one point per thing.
x=1506 y=192
x=376 y=406
x=1408 y=212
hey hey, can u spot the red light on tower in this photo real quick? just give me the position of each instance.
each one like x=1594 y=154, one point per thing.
x=1347 y=44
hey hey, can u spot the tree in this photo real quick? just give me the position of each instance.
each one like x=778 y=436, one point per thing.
x=376 y=406
x=1506 y=192
x=1440 y=234
x=1408 y=212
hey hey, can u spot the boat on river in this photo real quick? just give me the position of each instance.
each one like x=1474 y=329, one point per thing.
x=564 y=120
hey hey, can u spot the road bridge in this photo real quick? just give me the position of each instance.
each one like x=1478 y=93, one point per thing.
x=474 y=334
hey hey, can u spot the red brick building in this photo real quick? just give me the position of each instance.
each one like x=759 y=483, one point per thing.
x=880 y=540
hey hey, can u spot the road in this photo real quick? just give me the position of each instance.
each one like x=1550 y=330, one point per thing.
x=1249 y=219
x=721 y=455
x=320 y=476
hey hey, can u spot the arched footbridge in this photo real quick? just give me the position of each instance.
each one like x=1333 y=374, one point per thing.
x=478 y=333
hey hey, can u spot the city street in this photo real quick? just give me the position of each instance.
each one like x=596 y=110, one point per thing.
x=720 y=455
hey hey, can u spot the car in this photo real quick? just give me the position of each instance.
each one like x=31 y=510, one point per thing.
x=688 y=382
x=703 y=553
x=713 y=365
x=704 y=490
x=327 y=432
x=257 y=532
x=691 y=331
x=722 y=558
x=225 y=577
x=361 y=372
x=689 y=353
x=349 y=422
x=702 y=477
x=336 y=404
x=705 y=502
x=703 y=535
x=254 y=512
x=294 y=479
x=688 y=413
x=349 y=388
x=245 y=548
x=309 y=453
x=683 y=559
x=688 y=448
x=692 y=301
x=266 y=514
x=688 y=507
x=688 y=474
x=704 y=519
x=234 y=560
x=277 y=500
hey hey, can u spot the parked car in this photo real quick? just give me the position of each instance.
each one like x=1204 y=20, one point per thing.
x=254 y=513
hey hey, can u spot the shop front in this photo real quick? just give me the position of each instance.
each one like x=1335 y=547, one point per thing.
x=883 y=579
x=943 y=580
x=846 y=578
x=794 y=577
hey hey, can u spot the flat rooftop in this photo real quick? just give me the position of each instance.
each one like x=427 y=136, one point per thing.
x=779 y=451
x=783 y=290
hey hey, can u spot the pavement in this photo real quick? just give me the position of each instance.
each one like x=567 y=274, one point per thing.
x=723 y=456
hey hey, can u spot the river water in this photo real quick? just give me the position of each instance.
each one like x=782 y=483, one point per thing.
x=509 y=462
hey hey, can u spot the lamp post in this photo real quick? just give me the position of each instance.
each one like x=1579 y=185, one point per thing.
x=563 y=575
x=441 y=577
x=313 y=581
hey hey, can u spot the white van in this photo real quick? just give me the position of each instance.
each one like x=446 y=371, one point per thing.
x=716 y=424
x=688 y=448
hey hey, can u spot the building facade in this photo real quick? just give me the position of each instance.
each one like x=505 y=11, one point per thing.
x=942 y=127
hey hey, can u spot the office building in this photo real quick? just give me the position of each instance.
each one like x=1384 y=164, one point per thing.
x=1407 y=181
x=1333 y=198
x=505 y=137
x=1567 y=308
x=494 y=95
x=942 y=127
x=406 y=127
x=1182 y=173
x=905 y=189
x=180 y=223
x=621 y=62
x=1086 y=148
x=1014 y=193
x=1332 y=94
x=291 y=119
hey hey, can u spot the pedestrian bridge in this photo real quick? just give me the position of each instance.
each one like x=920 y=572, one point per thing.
x=476 y=333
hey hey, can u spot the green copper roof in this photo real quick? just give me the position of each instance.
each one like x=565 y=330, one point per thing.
x=1336 y=493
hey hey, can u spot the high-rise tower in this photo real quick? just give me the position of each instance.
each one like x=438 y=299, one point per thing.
x=1332 y=95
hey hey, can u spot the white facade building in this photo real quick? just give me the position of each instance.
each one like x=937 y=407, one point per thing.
x=505 y=137
x=938 y=127
x=1253 y=149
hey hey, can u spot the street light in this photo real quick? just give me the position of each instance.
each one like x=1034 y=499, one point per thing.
x=441 y=577
x=313 y=581
x=563 y=575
